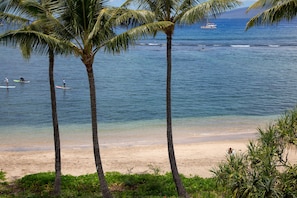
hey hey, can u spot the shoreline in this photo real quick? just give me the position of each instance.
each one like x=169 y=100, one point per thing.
x=194 y=158
x=114 y=141
x=141 y=148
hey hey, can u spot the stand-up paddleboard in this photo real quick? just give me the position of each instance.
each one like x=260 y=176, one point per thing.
x=21 y=81
x=62 y=87
x=7 y=87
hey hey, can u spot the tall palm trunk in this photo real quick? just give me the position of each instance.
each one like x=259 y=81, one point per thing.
x=177 y=180
x=57 y=185
x=103 y=184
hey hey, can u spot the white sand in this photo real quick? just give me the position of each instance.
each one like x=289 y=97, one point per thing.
x=195 y=156
x=199 y=147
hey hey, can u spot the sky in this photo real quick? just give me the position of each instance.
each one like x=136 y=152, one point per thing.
x=245 y=3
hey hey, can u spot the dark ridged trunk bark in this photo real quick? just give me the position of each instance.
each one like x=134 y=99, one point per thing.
x=103 y=184
x=57 y=185
x=176 y=177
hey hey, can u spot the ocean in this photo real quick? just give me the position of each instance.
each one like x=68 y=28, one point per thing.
x=218 y=75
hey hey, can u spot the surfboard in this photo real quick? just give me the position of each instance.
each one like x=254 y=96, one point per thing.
x=62 y=87
x=7 y=87
x=19 y=81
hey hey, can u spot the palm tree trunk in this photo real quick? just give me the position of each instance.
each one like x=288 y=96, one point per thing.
x=103 y=184
x=57 y=185
x=177 y=180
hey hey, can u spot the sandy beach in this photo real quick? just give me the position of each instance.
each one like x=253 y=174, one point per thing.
x=196 y=154
x=192 y=159
x=128 y=148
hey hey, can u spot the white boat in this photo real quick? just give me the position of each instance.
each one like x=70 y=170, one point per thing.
x=209 y=26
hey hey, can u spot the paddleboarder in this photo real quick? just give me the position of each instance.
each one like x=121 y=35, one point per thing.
x=6 y=81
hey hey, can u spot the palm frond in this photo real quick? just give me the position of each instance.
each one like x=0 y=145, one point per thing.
x=133 y=17
x=103 y=20
x=260 y=4
x=122 y=41
x=13 y=19
x=162 y=9
x=282 y=10
x=36 y=41
x=201 y=11
x=24 y=12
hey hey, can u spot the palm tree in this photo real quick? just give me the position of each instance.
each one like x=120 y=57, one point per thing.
x=90 y=26
x=274 y=12
x=179 y=12
x=34 y=36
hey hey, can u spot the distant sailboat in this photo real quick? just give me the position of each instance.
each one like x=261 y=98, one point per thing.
x=209 y=25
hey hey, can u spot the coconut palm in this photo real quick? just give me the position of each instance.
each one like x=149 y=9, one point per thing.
x=179 y=12
x=90 y=26
x=274 y=12
x=35 y=34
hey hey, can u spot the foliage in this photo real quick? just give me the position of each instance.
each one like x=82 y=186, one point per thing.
x=264 y=170
x=3 y=184
x=2 y=176
x=121 y=185
x=274 y=12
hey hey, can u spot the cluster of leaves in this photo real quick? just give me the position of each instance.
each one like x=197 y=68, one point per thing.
x=265 y=169
x=2 y=176
x=121 y=185
x=3 y=184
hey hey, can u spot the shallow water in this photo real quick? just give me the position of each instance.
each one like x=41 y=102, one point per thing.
x=149 y=132
x=220 y=77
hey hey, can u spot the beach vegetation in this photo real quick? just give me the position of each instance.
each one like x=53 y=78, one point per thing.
x=2 y=176
x=156 y=170
x=121 y=185
x=178 y=13
x=265 y=170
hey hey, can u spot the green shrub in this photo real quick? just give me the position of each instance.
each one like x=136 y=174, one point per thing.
x=121 y=185
x=141 y=184
x=264 y=170
x=2 y=176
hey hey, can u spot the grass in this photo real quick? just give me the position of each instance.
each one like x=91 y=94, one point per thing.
x=121 y=185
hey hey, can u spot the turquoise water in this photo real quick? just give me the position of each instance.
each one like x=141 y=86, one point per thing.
x=222 y=73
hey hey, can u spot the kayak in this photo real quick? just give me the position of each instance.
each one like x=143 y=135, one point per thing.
x=21 y=81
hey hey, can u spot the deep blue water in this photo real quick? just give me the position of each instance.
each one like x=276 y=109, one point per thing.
x=223 y=72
